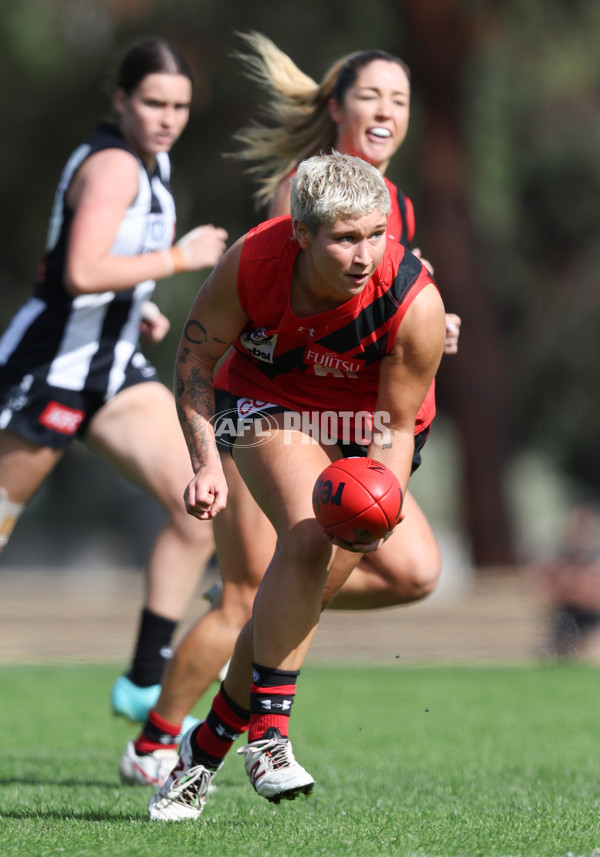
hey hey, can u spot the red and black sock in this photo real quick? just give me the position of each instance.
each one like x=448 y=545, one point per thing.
x=152 y=648
x=157 y=734
x=225 y=722
x=272 y=695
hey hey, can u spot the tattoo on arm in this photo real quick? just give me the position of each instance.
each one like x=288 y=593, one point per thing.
x=194 y=393
x=195 y=332
x=201 y=393
x=198 y=392
x=198 y=439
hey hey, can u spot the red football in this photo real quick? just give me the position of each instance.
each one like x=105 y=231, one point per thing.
x=357 y=500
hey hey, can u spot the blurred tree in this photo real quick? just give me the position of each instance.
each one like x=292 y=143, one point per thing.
x=473 y=386
x=552 y=226
x=510 y=177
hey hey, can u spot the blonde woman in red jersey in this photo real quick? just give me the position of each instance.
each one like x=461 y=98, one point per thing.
x=361 y=107
x=323 y=278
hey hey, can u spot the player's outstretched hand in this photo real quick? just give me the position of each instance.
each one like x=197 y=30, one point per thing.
x=203 y=246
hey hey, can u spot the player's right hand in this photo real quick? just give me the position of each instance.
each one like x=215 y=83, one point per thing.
x=206 y=495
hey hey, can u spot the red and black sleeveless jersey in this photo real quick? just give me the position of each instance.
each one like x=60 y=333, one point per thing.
x=400 y=228
x=329 y=361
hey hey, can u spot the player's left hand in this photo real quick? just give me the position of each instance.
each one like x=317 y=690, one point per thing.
x=453 y=323
x=154 y=326
x=360 y=547
x=203 y=246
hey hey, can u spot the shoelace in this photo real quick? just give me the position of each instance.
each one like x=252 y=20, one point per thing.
x=279 y=751
x=194 y=787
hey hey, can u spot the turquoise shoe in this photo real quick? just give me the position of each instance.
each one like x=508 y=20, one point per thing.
x=131 y=701
x=134 y=702
x=188 y=723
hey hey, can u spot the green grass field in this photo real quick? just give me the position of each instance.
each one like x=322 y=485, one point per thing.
x=408 y=761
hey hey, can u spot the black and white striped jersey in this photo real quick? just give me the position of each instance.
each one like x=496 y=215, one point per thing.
x=87 y=342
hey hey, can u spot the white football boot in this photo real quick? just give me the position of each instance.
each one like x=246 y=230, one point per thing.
x=183 y=794
x=273 y=770
x=150 y=769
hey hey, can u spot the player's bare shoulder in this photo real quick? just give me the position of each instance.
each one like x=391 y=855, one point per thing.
x=90 y=180
x=422 y=333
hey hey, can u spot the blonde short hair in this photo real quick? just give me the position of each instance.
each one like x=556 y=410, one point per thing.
x=327 y=188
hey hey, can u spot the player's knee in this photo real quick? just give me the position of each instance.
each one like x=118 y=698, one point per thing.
x=9 y=515
x=237 y=603
x=246 y=602
x=189 y=529
x=422 y=572
x=309 y=546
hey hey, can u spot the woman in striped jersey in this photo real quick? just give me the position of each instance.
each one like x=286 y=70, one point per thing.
x=70 y=364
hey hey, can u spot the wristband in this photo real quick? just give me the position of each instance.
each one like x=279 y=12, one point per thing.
x=177 y=260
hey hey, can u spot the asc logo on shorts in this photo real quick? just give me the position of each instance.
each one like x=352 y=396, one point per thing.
x=60 y=418
x=260 y=344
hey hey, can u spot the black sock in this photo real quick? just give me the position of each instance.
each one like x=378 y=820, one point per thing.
x=152 y=648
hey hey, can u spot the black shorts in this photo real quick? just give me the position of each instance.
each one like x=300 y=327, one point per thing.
x=226 y=422
x=54 y=416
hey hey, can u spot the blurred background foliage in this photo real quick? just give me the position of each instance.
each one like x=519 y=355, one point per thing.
x=502 y=162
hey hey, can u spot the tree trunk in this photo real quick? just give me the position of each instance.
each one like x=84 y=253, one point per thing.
x=472 y=385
